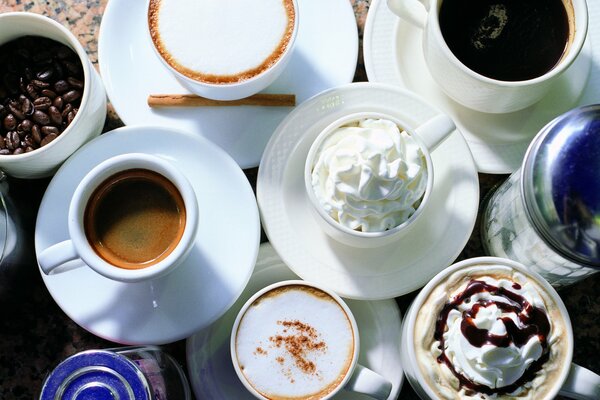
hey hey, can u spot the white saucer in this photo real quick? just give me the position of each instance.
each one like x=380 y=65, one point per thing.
x=209 y=361
x=325 y=56
x=393 y=54
x=385 y=272
x=203 y=287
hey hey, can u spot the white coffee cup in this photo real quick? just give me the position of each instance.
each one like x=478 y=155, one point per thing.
x=224 y=90
x=472 y=89
x=568 y=379
x=428 y=136
x=78 y=246
x=89 y=120
x=356 y=378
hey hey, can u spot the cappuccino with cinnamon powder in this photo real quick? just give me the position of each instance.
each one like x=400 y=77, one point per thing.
x=221 y=42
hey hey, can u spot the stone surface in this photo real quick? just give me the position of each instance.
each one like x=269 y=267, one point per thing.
x=35 y=334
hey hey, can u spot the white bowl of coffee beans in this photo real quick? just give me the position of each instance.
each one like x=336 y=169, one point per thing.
x=52 y=100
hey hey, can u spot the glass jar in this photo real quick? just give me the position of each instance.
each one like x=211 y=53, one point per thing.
x=547 y=214
x=126 y=373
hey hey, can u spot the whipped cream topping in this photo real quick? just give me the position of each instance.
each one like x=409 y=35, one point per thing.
x=369 y=175
x=493 y=335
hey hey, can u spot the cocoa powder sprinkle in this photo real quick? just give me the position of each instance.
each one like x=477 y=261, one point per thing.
x=299 y=343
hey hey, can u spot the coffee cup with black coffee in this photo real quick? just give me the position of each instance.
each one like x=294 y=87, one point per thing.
x=497 y=56
x=133 y=217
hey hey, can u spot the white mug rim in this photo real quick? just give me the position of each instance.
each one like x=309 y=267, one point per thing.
x=310 y=159
x=564 y=62
x=294 y=282
x=230 y=85
x=95 y=177
x=87 y=77
x=415 y=306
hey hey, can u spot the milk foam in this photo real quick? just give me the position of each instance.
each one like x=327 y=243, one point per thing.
x=266 y=361
x=216 y=38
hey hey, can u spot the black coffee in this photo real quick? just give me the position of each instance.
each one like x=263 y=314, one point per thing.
x=508 y=40
x=135 y=218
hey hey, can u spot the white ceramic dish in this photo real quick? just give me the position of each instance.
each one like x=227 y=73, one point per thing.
x=393 y=54
x=210 y=370
x=432 y=243
x=202 y=288
x=325 y=55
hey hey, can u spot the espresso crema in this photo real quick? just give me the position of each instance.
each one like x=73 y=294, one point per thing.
x=295 y=342
x=489 y=332
x=221 y=42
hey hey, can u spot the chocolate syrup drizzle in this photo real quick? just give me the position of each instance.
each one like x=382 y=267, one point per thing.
x=533 y=321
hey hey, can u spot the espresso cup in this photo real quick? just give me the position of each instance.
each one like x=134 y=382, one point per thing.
x=503 y=90
x=298 y=340
x=372 y=212
x=133 y=217
x=223 y=50
x=490 y=328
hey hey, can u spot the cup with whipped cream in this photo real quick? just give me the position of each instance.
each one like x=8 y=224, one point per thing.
x=369 y=176
x=487 y=328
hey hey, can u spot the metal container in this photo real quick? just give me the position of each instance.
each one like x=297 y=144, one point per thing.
x=127 y=373
x=547 y=214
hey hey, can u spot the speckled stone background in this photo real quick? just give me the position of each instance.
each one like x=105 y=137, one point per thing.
x=35 y=335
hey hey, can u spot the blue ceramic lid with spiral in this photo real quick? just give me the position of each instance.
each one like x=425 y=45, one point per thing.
x=96 y=375
x=560 y=185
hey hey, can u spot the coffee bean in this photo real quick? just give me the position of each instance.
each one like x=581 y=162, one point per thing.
x=42 y=103
x=70 y=117
x=55 y=115
x=45 y=74
x=41 y=117
x=4 y=152
x=16 y=111
x=48 y=139
x=30 y=89
x=10 y=122
x=61 y=86
x=26 y=106
x=22 y=85
x=18 y=150
x=36 y=134
x=12 y=140
x=49 y=130
x=71 y=96
x=43 y=57
x=68 y=108
x=74 y=82
x=40 y=84
x=48 y=93
x=58 y=103
x=25 y=126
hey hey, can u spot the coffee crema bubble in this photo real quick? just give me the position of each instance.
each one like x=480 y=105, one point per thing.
x=496 y=334
x=295 y=342
x=221 y=42
x=135 y=218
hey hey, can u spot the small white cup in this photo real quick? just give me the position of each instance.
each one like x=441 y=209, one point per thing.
x=428 y=136
x=573 y=381
x=358 y=379
x=238 y=90
x=89 y=120
x=470 y=88
x=78 y=247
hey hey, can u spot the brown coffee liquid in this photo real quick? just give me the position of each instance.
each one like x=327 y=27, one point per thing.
x=134 y=219
x=508 y=40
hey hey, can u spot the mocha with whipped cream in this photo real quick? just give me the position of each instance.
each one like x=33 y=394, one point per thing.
x=490 y=332
x=369 y=175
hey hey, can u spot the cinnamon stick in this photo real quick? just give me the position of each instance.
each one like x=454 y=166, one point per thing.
x=192 y=100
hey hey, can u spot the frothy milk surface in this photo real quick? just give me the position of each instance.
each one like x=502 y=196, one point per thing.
x=295 y=342
x=221 y=41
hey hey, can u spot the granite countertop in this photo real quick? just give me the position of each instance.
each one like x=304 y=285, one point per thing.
x=35 y=334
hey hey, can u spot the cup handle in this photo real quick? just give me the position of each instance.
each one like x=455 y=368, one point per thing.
x=365 y=381
x=581 y=384
x=413 y=11
x=56 y=255
x=434 y=131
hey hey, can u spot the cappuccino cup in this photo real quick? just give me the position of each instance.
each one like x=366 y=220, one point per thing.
x=298 y=340
x=223 y=50
x=369 y=175
x=488 y=328
x=133 y=217
x=497 y=57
